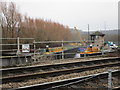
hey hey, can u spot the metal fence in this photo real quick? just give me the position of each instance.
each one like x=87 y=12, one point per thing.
x=17 y=44
x=40 y=55
x=64 y=54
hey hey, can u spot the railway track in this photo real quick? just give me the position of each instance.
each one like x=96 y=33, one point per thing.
x=77 y=83
x=33 y=69
x=55 y=70
x=55 y=73
x=116 y=88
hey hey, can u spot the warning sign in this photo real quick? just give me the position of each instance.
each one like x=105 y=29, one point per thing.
x=25 y=48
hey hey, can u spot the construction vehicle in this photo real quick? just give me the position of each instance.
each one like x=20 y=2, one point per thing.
x=97 y=43
x=88 y=50
x=91 y=50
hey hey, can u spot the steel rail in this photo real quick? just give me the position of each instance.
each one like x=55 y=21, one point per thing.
x=61 y=41
x=116 y=88
x=55 y=73
x=61 y=83
x=14 y=38
x=5 y=71
x=59 y=64
x=13 y=44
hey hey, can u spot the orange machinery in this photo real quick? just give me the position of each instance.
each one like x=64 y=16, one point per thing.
x=90 y=50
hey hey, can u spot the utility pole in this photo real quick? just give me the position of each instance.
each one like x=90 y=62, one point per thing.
x=88 y=33
x=105 y=25
x=102 y=41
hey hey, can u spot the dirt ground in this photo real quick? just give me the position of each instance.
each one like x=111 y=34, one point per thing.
x=114 y=54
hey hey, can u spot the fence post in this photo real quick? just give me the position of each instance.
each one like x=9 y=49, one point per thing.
x=103 y=50
x=34 y=49
x=62 y=51
x=18 y=46
x=109 y=79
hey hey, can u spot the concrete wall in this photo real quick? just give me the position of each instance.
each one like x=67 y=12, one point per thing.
x=13 y=61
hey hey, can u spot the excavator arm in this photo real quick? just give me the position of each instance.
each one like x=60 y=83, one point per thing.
x=78 y=34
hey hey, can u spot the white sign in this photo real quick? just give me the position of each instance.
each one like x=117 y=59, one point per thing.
x=25 y=48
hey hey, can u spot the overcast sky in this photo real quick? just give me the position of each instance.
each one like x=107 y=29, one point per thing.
x=99 y=14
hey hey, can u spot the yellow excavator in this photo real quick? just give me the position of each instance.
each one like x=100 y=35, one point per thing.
x=88 y=50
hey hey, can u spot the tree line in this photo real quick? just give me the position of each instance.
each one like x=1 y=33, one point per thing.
x=15 y=24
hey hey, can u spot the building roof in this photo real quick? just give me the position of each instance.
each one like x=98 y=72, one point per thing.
x=97 y=33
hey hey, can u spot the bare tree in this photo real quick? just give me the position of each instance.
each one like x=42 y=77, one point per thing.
x=10 y=17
